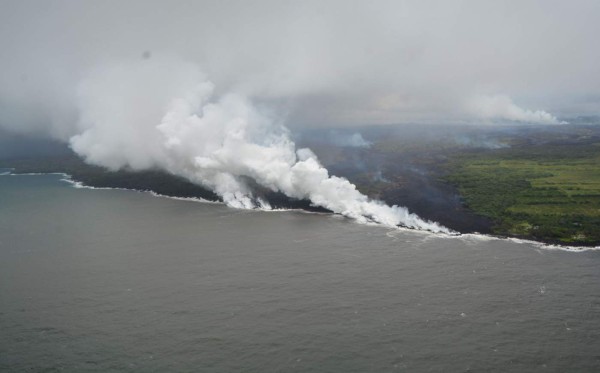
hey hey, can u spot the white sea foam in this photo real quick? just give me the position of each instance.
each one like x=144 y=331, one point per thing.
x=79 y=185
x=546 y=246
x=396 y=234
x=188 y=199
x=539 y=245
x=36 y=174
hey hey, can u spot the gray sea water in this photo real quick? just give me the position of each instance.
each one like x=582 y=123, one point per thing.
x=121 y=281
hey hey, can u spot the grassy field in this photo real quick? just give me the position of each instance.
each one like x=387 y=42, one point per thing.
x=549 y=193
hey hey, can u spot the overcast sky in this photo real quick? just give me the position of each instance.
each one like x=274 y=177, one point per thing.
x=317 y=62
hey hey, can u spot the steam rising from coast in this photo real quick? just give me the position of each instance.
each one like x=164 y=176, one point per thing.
x=120 y=81
x=176 y=122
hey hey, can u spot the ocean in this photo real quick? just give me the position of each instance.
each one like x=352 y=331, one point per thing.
x=124 y=281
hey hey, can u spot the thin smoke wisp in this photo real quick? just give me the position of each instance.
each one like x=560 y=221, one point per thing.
x=502 y=107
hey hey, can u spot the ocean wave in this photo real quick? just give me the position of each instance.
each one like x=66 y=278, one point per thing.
x=480 y=237
x=10 y=173
x=80 y=185
x=521 y=241
x=6 y=171
x=547 y=246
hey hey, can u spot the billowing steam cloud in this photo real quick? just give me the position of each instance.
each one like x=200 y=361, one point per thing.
x=319 y=62
x=165 y=114
x=502 y=107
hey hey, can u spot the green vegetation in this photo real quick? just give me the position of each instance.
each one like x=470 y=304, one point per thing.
x=535 y=182
x=547 y=192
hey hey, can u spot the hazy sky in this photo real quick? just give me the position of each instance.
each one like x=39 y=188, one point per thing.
x=316 y=62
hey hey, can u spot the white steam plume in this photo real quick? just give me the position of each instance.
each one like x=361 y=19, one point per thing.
x=354 y=140
x=159 y=115
x=502 y=107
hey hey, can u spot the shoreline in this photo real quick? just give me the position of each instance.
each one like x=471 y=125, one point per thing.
x=547 y=245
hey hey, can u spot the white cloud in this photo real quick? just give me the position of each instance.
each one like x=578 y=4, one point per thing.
x=335 y=62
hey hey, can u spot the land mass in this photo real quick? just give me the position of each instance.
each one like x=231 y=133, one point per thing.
x=534 y=182
x=156 y=181
x=545 y=193
x=540 y=183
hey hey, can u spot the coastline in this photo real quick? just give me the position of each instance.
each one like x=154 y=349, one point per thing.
x=546 y=245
